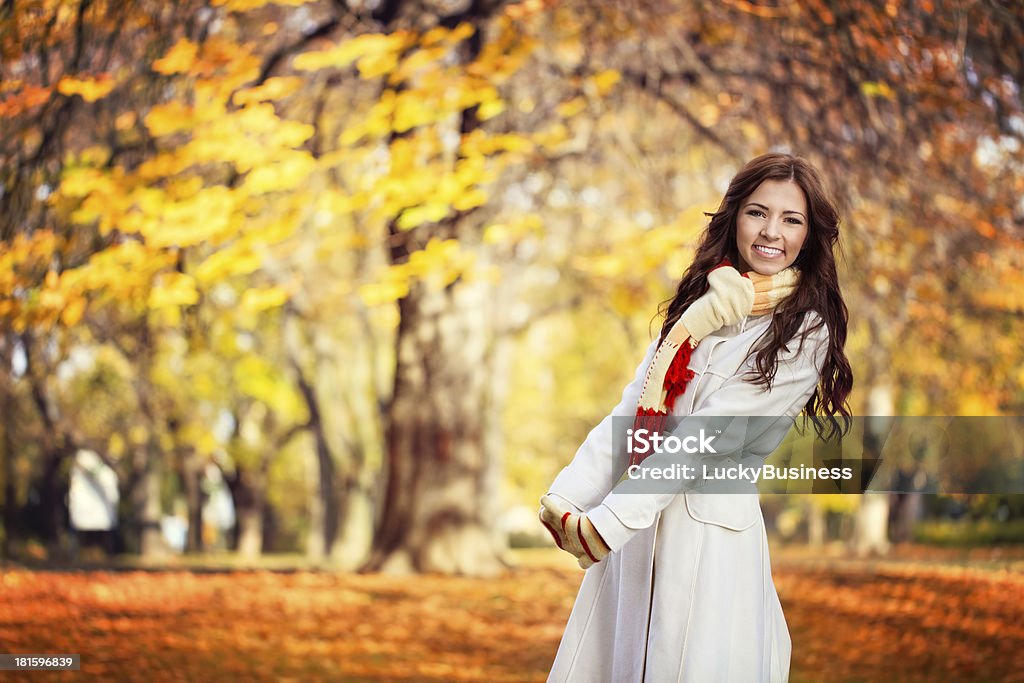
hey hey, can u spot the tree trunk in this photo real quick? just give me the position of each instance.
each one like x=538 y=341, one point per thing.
x=871 y=525
x=871 y=521
x=128 y=532
x=363 y=423
x=190 y=475
x=497 y=385
x=323 y=501
x=440 y=496
x=907 y=514
x=250 y=531
x=147 y=463
x=355 y=525
x=816 y=527
x=147 y=508
x=355 y=503
x=53 y=491
x=439 y=506
x=10 y=510
x=248 y=494
x=50 y=509
x=316 y=543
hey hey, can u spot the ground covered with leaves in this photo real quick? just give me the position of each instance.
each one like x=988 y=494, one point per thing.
x=849 y=622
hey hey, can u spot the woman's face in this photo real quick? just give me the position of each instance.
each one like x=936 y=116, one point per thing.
x=771 y=227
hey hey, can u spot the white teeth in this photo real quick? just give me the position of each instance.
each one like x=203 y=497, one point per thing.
x=771 y=251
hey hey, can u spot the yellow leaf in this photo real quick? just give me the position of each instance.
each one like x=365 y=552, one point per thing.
x=273 y=89
x=257 y=119
x=90 y=89
x=605 y=265
x=206 y=216
x=490 y=109
x=73 y=312
x=233 y=260
x=552 y=136
x=115 y=445
x=877 y=89
x=427 y=213
x=708 y=115
x=383 y=292
x=975 y=403
x=434 y=36
x=262 y=299
x=606 y=80
x=571 y=108
x=412 y=110
x=259 y=379
x=349 y=51
x=373 y=66
x=171 y=117
x=80 y=182
x=286 y=174
x=514 y=143
x=461 y=32
x=179 y=59
x=172 y=290
x=291 y=133
x=496 y=233
x=352 y=134
x=247 y=5
x=137 y=434
x=338 y=204
x=162 y=165
x=436 y=257
x=470 y=199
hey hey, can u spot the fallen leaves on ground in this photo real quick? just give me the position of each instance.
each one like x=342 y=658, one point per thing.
x=848 y=623
x=906 y=624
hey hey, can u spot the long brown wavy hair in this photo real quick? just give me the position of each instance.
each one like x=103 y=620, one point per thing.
x=818 y=289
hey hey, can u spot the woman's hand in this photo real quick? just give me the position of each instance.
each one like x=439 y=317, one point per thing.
x=729 y=299
x=573 y=532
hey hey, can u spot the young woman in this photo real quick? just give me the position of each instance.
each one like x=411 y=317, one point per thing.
x=756 y=328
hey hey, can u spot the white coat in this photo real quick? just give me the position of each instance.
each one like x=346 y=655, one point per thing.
x=686 y=595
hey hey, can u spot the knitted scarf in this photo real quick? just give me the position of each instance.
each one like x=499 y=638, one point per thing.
x=667 y=378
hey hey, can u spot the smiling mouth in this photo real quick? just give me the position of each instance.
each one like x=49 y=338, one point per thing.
x=767 y=251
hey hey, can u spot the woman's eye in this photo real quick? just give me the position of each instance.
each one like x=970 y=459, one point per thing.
x=755 y=212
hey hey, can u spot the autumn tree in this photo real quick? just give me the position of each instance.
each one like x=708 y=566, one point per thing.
x=310 y=235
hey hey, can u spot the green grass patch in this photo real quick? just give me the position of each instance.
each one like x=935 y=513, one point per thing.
x=970 y=534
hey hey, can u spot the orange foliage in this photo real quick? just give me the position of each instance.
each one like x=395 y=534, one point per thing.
x=902 y=623
x=848 y=623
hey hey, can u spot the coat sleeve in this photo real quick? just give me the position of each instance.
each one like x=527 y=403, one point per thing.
x=585 y=481
x=753 y=422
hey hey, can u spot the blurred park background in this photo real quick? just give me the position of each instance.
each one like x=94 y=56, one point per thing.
x=344 y=284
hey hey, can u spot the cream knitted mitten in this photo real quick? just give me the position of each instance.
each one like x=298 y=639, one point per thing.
x=573 y=532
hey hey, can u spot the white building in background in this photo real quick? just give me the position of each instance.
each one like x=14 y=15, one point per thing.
x=175 y=531
x=219 y=509
x=93 y=496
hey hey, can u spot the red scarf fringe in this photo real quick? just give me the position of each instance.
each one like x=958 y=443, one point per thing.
x=650 y=419
x=677 y=377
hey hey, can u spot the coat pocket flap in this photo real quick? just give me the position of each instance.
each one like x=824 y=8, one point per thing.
x=736 y=511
